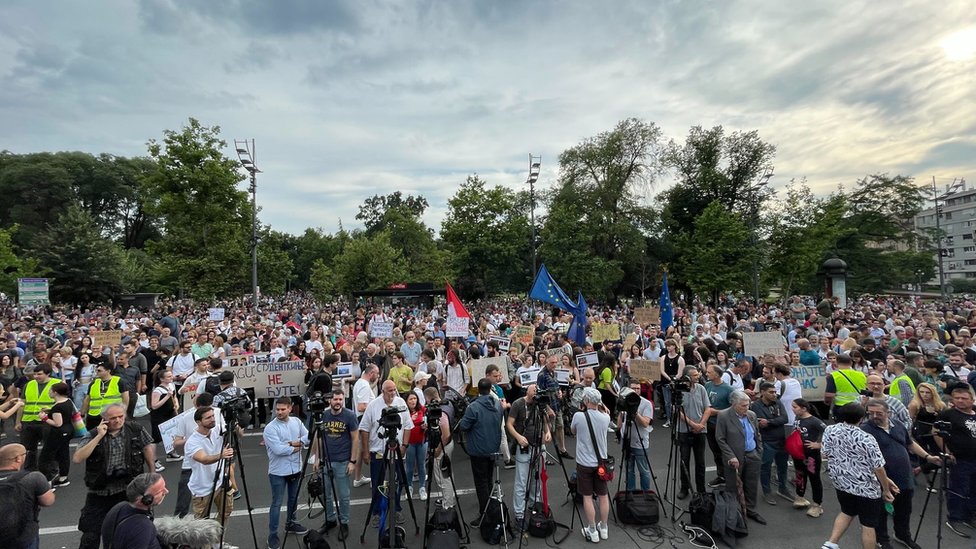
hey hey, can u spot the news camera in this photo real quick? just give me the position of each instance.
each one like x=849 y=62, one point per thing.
x=317 y=402
x=236 y=409
x=390 y=421
x=628 y=400
x=434 y=414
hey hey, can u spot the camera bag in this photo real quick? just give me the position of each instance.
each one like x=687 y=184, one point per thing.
x=636 y=507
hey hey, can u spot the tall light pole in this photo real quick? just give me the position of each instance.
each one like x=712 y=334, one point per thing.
x=754 y=237
x=535 y=166
x=245 y=152
x=936 y=197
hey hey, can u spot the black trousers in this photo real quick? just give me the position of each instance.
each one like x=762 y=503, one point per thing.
x=688 y=443
x=482 y=468
x=54 y=458
x=183 y=495
x=92 y=517
x=716 y=451
x=31 y=435
x=901 y=518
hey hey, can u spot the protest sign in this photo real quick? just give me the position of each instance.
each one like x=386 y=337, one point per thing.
x=759 y=343
x=503 y=343
x=381 y=329
x=647 y=315
x=215 y=313
x=529 y=376
x=645 y=370
x=524 y=334
x=457 y=327
x=172 y=427
x=813 y=381
x=477 y=368
x=343 y=370
x=605 y=331
x=562 y=376
x=269 y=379
x=587 y=360
x=106 y=338
x=557 y=352
x=629 y=341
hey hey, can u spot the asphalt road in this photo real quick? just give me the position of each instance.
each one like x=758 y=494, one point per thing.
x=786 y=528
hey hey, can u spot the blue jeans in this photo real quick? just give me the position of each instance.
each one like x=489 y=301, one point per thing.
x=417 y=461
x=340 y=468
x=522 y=466
x=377 y=478
x=278 y=484
x=771 y=454
x=666 y=393
x=962 y=475
x=637 y=461
x=78 y=395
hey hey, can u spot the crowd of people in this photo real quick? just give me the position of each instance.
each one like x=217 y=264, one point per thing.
x=896 y=411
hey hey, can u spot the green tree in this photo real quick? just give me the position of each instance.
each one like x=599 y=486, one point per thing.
x=323 y=281
x=204 y=249
x=718 y=254
x=373 y=211
x=367 y=264
x=14 y=263
x=83 y=265
x=311 y=246
x=274 y=261
x=422 y=260
x=35 y=188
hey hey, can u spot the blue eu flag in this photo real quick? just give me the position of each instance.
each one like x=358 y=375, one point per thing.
x=545 y=289
x=577 y=329
x=667 y=311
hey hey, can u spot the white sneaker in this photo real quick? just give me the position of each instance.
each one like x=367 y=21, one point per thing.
x=410 y=491
x=590 y=534
x=603 y=529
x=423 y=494
x=160 y=467
x=361 y=482
x=829 y=545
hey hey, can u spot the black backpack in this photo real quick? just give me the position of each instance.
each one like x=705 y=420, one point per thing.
x=443 y=520
x=701 y=509
x=315 y=540
x=212 y=385
x=15 y=500
x=493 y=526
x=443 y=539
x=540 y=523
x=636 y=507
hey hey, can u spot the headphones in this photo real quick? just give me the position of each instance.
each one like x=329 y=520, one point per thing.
x=148 y=500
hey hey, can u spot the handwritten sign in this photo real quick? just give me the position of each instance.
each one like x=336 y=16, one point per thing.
x=647 y=315
x=645 y=370
x=529 y=376
x=759 y=343
x=477 y=368
x=587 y=360
x=457 y=327
x=504 y=343
x=215 y=313
x=270 y=379
x=604 y=331
x=106 y=338
x=630 y=341
x=381 y=329
x=172 y=428
x=558 y=352
x=813 y=381
x=524 y=334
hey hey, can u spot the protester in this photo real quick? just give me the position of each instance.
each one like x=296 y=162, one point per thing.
x=416 y=459
x=961 y=444
x=54 y=461
x=719 y=396
x=808 y=468
x=163 y=406
x=772 y=418
x=36 y=493
x=738 y=436
x=37 y=396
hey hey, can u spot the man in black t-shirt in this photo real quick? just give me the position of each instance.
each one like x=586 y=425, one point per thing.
x=962 y=446
x=528 y=426
x=129 y=524
x=12 y=458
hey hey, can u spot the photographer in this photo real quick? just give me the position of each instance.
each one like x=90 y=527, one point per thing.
x=184 y=429
x=442 y=455
x=641 y=415
x=692 y=424
x=374 y=442
x=205 y=447
x=114 y=453
x=284 y=438
x=480 y=423
x=960 y=425
x=525 y=432
x=549 y=385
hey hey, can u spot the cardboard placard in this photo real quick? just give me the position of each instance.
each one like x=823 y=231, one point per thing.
x=647 y=315
x=106 y=338
x=215 y=313
x=477 y=368
x=558 y=352
x=562 y=376
x=524 y=334
x=381 y=329
x=270 y=379
x=645 y=370
x=605 y=331
x=530 y=376
x=759 y=343
x=813 y=381
x=629 y=341
x=587 y=360
x=504 y=343
x=170 y=428
x=457 y=327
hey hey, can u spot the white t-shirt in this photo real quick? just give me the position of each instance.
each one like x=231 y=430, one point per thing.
x=187 y=426
x=371 y=418
x=182 y=365
x=790 y=391
x=362 y=391
x=202 y=476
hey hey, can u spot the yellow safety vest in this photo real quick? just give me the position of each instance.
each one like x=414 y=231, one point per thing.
x=848 y=390
x=35 y=399
x=97 y=400
x=895 y=389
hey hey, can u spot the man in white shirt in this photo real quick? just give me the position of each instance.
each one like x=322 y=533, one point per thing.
x=206 y=448
x=186 y=426
x=373 y=446
x=363 y=392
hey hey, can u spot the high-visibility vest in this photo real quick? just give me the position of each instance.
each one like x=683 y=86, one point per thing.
x=895 y=388
x=849 y=387
x=97 y=400
x=36 y=398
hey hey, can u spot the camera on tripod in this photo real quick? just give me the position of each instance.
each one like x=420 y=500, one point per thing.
x=681 y=384
x=942 y=427
x=434 y=414
x=317 y=402
x=545 y=398
x=628 y=400
x=390 y=421
x=236 y=409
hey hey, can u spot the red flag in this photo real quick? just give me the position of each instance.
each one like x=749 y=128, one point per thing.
x=455 y=309
x=544 y=476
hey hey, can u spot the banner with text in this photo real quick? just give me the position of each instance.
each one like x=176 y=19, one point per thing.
x=477 y=368
x=106 y=338
x=645 y=370
x=457 y=327
x=603 y=331
x=270 y=379
x=759 y=343
x=381 y=329
x=813 y=381
x=647 y=315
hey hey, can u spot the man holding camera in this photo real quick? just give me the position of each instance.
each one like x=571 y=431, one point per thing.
x=640 y=412
x=341 y=432
x=283 y=439
x=692 y=424
x=528 y=426
x=375 y=423
x=549 y=385
x=960 y=425
x=114 y=453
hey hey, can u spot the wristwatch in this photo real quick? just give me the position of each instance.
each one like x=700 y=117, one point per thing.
x=353 y=461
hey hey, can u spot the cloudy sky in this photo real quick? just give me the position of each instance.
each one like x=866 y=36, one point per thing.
x=347 y=99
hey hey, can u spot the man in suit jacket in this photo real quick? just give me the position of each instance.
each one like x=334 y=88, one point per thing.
x=737 y=434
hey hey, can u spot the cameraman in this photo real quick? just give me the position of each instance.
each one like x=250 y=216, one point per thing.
x=206 y=449
x=637 y=436
x=525 y=432
x=692 y=423
x=549 y=385
x=961 y=443
x=442 y=454
x=283 y=440
x=373 y=444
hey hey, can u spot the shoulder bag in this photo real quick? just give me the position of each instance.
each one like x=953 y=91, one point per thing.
x=605 y=465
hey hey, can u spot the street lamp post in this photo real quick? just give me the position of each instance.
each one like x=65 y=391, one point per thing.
x=246 y=154
x=535 y=166
x=936 y=197
x=754 y=237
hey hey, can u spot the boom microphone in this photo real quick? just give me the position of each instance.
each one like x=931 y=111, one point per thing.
x=188 y=532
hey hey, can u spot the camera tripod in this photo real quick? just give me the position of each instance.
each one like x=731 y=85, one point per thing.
x=941 y=474
x=317 y=444
x=393 y=476
x=675 y=466
x=628 y=450
x=434 y=440
x=222 y=476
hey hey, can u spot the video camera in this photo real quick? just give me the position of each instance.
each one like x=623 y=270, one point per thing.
x=236 y=409
x=434 y=414
x=942 y=427
x=390 y=421
x=317 y=402
x=628 y=400
x=681 y=384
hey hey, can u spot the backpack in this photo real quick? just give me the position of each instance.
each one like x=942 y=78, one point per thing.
x=496 y=522
x=212 y=385
x=443 y=539
x=636 y=507
x=315 y=540
x=14 y=500
x=444 y=520
x=701 y=509
x=540 y=522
